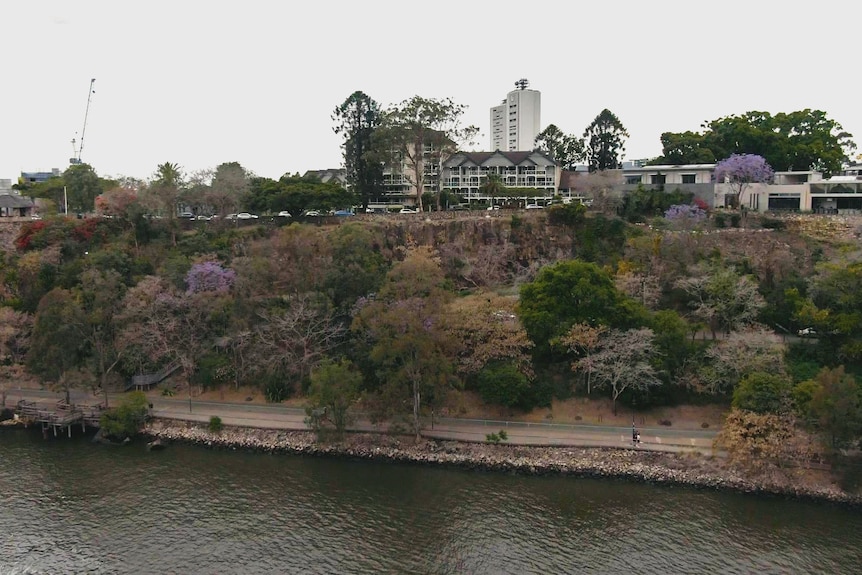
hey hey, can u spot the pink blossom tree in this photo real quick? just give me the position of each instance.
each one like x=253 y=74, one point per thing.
x=741 y=170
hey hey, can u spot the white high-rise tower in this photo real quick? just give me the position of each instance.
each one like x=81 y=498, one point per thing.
x=516 y=122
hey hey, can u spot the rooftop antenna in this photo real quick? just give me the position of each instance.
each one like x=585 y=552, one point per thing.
x=522 y=84
x=76 y=158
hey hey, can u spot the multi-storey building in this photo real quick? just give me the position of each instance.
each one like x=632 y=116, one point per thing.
x=535 y=173
x=516 y=122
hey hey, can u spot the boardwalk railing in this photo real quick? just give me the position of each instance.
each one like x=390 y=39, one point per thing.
x=146 y=380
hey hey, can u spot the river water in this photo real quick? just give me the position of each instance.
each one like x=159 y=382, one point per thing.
x=68 y=506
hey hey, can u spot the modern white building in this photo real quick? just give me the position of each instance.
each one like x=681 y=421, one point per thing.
x=527 y=175
x=517 y=121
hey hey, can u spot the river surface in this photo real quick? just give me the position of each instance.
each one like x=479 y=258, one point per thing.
x=68 y=506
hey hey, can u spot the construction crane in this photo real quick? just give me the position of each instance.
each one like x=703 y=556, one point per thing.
x=77 y=151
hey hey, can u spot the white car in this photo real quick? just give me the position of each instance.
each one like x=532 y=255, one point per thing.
x=246 y=216
x=284 y=214
x=535 y=207
x=312 y=213
x=408 y=211
x=492 y=208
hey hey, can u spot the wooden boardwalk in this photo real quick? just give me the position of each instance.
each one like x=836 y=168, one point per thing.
x=58 y=416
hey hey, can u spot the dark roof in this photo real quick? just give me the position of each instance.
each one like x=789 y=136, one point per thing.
x=516 y=158
x=10 y=201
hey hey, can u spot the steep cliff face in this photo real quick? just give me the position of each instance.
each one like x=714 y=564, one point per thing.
x=8 y=232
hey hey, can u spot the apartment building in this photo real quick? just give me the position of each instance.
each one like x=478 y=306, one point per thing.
x=466 y=172
x=516 y=121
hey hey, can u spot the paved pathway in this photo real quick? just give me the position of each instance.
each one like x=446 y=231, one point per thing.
x=520 y=433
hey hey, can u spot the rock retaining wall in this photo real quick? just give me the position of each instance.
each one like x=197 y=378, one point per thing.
x=651 y=467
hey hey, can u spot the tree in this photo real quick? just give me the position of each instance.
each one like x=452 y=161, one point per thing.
x=582 y=340
x=834 y=309
x=293 y=341
x=623 y=361
x=82 y=187
x=739 y=171
x=56 y=346
x=334 y=390
x=836 y=405
x=605 y=142
x=421 y=134
x=100 y=296
x=123 y=203
x=358 y=268
x=573 y=292
x=502 y=383
x=721 y=297
x=403 y=330
x=229 y=188
x=487 y=331
x=763 y=393
x=567 y=151
x=757 y=441
x=164 y=193
x=740 y=354
x=356 y=120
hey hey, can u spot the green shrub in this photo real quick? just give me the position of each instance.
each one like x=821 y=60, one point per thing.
x=772 y=224
x=127 y=418
x=762 y=393
x=734 y=220
x=503 y=384
x=720 y=220
x=215 y=425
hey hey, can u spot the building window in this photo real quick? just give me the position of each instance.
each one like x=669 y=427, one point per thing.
x=657 y=179
x=688 y=178
x=633 y=180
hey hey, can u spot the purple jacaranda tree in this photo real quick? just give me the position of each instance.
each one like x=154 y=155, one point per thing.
x=741 y=170
x=209 y=277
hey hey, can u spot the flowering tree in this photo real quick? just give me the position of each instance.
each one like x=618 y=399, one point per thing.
x=741 y=170
x=209 y=277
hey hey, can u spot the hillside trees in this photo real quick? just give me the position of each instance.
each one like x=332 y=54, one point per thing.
x=605 y=142
x=356 y=120
x=402 y=329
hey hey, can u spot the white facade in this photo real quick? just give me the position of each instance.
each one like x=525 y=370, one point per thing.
x=516 y=122
x=465 y=173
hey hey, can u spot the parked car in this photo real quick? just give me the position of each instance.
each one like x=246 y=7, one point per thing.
x=807 y=332
x=408 y=211
x=343 y=213
x=204 y=218
x=535 y=207
x=187 y=216
x=246 y=216
x=284 y=214
x=312 y=214
x=491 y=208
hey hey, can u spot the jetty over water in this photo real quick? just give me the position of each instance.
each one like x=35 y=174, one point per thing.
x=58 y=416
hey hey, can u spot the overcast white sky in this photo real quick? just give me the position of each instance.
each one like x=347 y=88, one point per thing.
x=200 y=83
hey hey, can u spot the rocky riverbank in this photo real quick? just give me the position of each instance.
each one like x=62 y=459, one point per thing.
x=630 y=464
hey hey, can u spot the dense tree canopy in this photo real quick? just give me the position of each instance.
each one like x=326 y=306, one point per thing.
x=803 y=140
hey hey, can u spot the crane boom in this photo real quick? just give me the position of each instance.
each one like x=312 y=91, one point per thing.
x=77 y=155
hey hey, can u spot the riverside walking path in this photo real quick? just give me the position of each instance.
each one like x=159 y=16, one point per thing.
x=273 y=416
